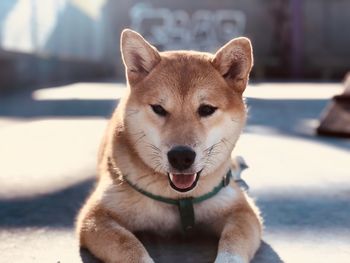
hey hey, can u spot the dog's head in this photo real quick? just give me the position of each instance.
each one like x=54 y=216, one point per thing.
x=185 y=110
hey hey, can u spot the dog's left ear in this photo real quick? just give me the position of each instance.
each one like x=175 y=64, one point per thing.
x=234 y=62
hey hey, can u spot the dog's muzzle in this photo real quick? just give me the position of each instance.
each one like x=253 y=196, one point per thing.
x=181 y=159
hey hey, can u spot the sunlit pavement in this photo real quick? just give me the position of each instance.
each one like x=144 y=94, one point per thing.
x=48 y=145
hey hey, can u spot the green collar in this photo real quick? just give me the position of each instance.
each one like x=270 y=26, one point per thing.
x=185 y=205
x=223 y=183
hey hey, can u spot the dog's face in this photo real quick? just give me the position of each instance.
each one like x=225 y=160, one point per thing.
x=185 y=110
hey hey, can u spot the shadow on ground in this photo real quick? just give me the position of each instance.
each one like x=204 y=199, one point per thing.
x=290 y=117
x=318 y=212
x=60 y=208
x=188 y=251
x=29 y=108
x=57 y=209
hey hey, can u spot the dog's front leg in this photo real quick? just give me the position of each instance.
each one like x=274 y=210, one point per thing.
x=109 y=241
x=240 y=237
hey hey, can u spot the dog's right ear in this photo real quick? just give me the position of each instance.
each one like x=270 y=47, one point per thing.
x=234 y=62
x=138 y=55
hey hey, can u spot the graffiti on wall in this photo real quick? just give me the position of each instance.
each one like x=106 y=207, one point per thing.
x=177 y=29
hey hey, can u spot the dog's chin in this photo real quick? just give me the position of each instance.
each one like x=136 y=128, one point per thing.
x=183 y=182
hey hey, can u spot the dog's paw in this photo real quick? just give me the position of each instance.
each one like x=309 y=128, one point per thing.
x=226 y=257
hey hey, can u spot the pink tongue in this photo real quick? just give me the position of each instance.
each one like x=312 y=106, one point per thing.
x=183 y=181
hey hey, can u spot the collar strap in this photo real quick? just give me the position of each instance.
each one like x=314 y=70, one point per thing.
x=185 y=205
x=223 y=183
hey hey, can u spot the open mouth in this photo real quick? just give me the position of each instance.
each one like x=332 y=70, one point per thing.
x=183 y=182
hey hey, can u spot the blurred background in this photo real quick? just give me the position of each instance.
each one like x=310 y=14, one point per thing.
x=54 y=41
x=61 y=77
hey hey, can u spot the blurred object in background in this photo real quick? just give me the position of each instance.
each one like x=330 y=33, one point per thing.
x=53 y=41
x=46 y=42
x=336 y=118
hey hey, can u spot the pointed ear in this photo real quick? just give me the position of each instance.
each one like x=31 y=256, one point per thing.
x=234 y=62
x=138 y=55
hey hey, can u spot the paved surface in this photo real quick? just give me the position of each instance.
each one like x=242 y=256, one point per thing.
x=48 y=144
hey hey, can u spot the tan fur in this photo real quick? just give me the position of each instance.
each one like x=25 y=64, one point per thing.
x=137 y=141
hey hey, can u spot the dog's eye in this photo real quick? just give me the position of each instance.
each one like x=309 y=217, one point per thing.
x=159 y=110
x=206 y=110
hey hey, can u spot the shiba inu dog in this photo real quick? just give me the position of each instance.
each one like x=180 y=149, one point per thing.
x=164 y=160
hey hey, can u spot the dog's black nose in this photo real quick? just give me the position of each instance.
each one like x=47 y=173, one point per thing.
x=181 y=157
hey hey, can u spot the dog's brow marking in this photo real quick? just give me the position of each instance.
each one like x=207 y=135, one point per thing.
x=202 y=98
x=161 y=101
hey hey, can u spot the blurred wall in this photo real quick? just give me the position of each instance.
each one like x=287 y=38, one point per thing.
x=325 y=37
x=45 y=41
x=202 y=25
x=65 y=28
x=292 y=39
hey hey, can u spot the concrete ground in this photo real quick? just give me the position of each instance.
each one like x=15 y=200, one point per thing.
x=48 y=144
